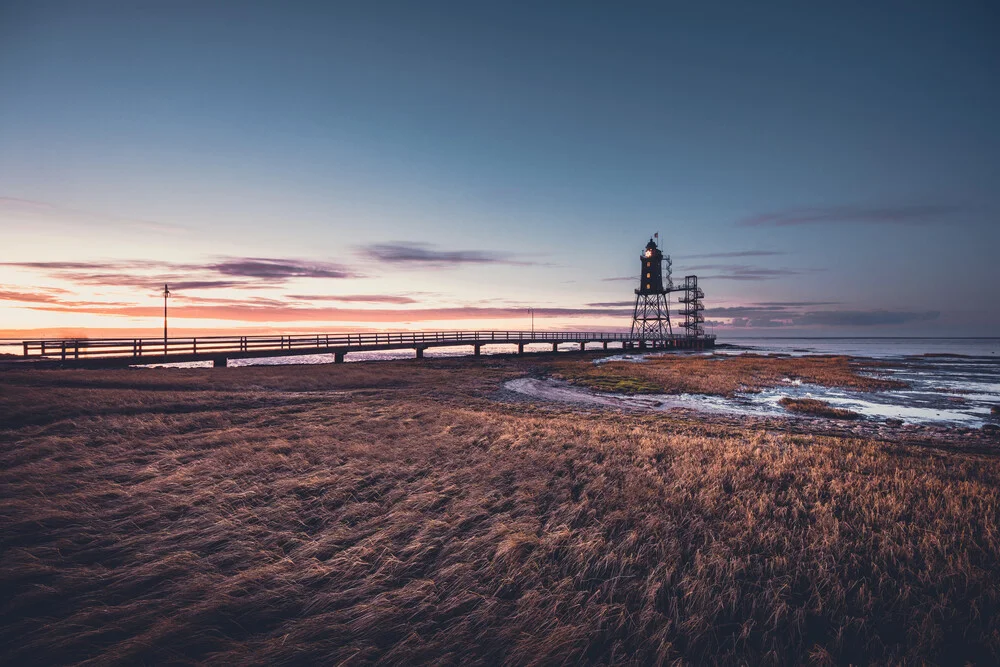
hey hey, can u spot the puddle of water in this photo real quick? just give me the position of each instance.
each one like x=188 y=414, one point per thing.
x=563 y=392
x=911 y=406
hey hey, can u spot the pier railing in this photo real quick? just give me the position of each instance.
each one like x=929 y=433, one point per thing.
x=208 y=346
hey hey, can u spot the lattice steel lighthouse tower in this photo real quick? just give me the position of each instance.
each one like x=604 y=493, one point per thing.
x=651 y=317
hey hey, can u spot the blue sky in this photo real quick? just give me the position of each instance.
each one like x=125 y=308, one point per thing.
x=825 y=170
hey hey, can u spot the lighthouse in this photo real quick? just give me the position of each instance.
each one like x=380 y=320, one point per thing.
x=651 y=316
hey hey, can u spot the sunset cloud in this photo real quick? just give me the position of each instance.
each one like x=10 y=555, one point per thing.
x=227 y=272
x=259 y=312
x=38 y=296
x=53 y=296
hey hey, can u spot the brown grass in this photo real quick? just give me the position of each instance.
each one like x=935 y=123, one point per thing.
x=816 y=408
x=394 y=512
x=722 y=375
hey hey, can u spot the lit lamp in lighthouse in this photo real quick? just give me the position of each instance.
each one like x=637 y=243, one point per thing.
x=651 y=281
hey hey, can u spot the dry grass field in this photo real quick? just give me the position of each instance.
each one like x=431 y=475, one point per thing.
x=401 y=513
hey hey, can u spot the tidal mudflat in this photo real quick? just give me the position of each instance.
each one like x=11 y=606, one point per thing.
x=410 y=512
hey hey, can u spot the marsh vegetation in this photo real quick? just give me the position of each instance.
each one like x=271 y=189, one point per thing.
x=403 y=512
x=724 y=375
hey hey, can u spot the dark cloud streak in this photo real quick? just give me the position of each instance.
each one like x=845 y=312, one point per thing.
x=729 y=255
x=864 y=318
x=893 y=215
x=275 y=269
x=424 y=254
x=790 y=314
x=741 y=272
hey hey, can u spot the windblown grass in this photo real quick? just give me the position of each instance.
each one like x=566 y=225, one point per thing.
x=722 y=375
x=816 y=408
x=395 y=512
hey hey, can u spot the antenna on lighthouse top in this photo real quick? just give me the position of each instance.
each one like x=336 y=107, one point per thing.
x=166 y=293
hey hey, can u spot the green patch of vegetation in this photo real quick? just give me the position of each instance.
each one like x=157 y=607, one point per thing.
x=620 y=385
x=815 y=408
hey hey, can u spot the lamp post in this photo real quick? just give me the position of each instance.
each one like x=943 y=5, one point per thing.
x=166 y=293
x=532 y=311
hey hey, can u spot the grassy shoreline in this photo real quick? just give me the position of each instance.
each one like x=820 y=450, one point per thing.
x=399 y=512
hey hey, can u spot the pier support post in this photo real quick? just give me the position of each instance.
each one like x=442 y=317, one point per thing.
x=220 y=362
x=555 y=347
x=476 y=350
x=338 y=357
x=583 y=346
x=605 y=345
x=520 y=349
x=420 y=353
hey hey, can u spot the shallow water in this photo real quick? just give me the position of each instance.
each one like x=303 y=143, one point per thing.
x=956 y=390
x=908 y=406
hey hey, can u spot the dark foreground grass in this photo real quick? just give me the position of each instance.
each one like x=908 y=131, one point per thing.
x=396 y=513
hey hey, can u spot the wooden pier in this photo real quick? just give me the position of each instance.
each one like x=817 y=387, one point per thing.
x=110 y=352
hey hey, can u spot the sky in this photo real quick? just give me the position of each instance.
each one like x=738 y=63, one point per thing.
x=826 y=169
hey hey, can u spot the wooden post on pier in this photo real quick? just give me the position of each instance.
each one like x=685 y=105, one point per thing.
x=477 y=350
x=420 y=353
